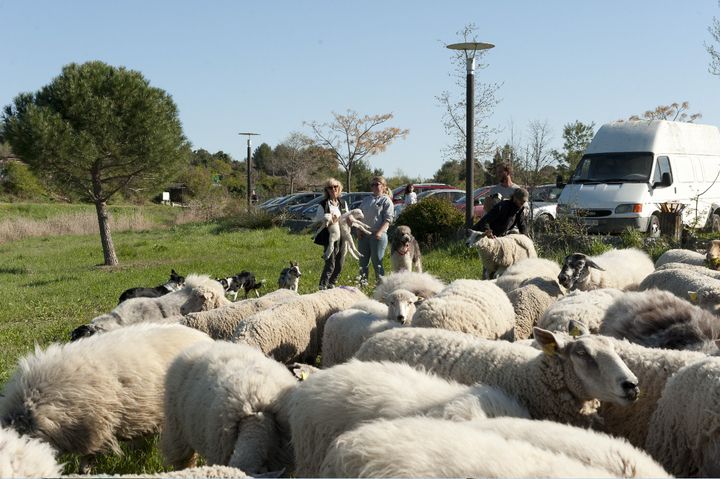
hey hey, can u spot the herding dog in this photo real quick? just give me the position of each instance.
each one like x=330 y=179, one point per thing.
x=405 y=251
x=244 y=280
x=290 y=277
x=174 y=283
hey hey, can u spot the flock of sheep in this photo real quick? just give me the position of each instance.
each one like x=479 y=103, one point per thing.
x=604 y=366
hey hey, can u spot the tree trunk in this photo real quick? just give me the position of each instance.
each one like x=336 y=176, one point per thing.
x=348 y=188
x=105 y=236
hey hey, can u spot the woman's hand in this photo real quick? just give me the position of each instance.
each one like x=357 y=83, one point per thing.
x=378 y=234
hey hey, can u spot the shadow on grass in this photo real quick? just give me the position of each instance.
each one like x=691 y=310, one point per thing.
x=14 y=271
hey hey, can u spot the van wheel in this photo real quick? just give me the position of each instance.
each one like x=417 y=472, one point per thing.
x=715 y=223
x=653 y=229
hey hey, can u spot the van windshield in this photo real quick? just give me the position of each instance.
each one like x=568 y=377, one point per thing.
x=613 y=168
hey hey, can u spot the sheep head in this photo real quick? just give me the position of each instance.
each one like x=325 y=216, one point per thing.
x=401 y=305
x=592 y=367
x=575 y=270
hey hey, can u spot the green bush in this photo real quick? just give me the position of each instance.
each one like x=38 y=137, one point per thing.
x=19 y=182
x=432 y=220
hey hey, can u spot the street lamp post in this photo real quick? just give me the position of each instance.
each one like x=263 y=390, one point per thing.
x=249 y=159
x=470 y=49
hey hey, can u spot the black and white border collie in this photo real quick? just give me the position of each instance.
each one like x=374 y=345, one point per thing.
x=174 y=283
x=244 y=280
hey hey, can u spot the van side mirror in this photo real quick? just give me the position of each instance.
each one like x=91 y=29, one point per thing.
x=665 y=181
x=559 y=182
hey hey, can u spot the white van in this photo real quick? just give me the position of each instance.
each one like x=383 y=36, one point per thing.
x=631 y=167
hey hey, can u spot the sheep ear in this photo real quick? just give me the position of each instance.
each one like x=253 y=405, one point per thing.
x=550 y=341
x=419 y=300
x=592 y=264
x=576 y=328
x=693 y=296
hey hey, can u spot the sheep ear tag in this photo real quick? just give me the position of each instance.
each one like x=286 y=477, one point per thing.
x=693 y=296
x=550 y=349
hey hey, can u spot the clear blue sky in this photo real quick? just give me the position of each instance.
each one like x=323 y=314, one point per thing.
x=267 y=66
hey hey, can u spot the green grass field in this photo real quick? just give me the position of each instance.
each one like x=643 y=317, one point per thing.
x=50 y=285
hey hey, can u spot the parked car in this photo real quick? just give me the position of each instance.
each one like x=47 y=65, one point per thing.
x=398 y=194
x=272 y=201
x=478 y=196
x=543 y=201
x=290 y=200
x=307 y=211
x=448 y=195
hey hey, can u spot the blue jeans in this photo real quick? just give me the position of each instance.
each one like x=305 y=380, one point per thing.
x=372 y=249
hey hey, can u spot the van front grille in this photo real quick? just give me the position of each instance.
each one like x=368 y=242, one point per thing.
x=593 y=213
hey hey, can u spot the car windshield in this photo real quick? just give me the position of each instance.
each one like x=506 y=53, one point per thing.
x=613 y=168
x=547 y=194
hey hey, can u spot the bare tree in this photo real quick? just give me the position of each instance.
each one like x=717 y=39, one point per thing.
x=292 y=159
x=714 y=30
x=454 y=108
x=673 y=112
x=352 y=138
x=536 y=156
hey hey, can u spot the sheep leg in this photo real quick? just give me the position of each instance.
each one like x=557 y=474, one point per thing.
x=175 y=450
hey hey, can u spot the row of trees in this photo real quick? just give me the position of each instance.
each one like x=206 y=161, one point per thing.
x=98 y=131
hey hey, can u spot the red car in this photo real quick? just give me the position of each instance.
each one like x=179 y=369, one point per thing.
x=399 y=192
x=478 y=196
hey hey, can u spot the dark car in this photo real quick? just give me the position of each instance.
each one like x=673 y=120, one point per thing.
x=291 y=200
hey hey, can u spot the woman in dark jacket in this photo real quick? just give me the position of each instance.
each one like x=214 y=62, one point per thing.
x=333 y=206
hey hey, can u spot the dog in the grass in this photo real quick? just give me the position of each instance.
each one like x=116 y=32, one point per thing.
x=244 y=280
x=290 y=277
x=174 y=283
x=404 y=251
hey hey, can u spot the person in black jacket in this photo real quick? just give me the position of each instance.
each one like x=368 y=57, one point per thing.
x=334 y=206
x=505 y=216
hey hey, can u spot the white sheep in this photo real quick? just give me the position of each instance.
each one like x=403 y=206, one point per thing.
x=342 y=230
x=345 y=331
x=371 y=306
x=700 y=289
x=527 y=269
x=530 y=301
x=200 y=293
x=470 y=306
x=432 y=447
x=423 y=285
x=653 y=367
x=684 y=256
x=684 y=432
x=498 y=254
x=220 y=323
x=659 y=319
x=585 y=307
x=562 y=383
x=84 y=397
x=690 y=267
x=224 y=401
x=335 y=400
x=617 y=268
x=203 y=472
x=23 y=456
x=292 y=332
